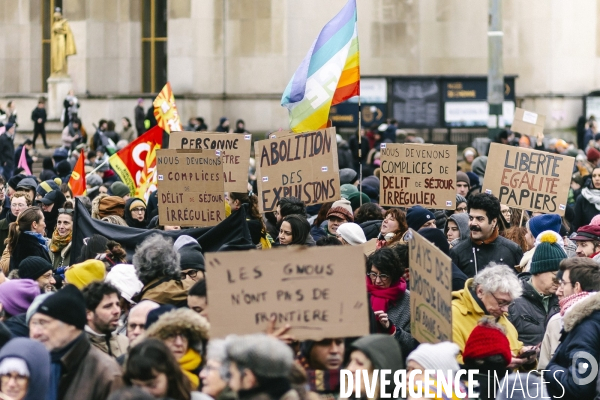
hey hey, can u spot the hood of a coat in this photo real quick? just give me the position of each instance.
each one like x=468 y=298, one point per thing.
x=383 y=351
x=462 y=221
x=183 y=320
x=37 y=359
x=580 y=311
x=465 y=303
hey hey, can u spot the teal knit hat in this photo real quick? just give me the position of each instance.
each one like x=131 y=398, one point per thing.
x=548 y=255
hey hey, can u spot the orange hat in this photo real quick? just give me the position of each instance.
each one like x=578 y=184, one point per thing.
x=111 y=205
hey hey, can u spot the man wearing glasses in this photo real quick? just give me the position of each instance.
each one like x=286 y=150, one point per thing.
x=578 y=353
x=538 y=303
x=490 y=293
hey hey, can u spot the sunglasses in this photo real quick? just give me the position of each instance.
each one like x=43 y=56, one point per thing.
x=66 y=211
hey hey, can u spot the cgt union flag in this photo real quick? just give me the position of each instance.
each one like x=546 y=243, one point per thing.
x=131 y=162
x=77 y=181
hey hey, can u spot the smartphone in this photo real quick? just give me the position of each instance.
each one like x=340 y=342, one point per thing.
x=528 y=353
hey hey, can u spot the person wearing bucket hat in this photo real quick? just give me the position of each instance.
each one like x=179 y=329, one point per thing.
x=339 y=213
x=78 y=370
x=538 y=303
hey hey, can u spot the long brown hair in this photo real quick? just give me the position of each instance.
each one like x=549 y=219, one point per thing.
x=24 y=222
x=400 y=217
x=252 y=200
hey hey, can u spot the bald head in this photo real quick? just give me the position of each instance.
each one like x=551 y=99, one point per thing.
x=137 y=318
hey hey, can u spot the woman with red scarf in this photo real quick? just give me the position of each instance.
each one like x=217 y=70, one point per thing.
x=389 y=299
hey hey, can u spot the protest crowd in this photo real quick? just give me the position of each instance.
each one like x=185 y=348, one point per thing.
x=486 y=263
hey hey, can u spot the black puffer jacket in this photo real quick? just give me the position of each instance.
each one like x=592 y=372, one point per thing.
x=500 y=251
x=584 y=212
x=528 y=314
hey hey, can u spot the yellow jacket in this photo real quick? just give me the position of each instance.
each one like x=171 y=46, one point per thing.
x=466 y=313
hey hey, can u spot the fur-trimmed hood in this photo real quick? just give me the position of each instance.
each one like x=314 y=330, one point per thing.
x=183 y=320
x=580 y=311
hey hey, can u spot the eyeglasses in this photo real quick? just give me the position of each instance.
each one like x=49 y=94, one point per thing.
x=192 y=274
x=66 y=211
x=502 y=303
x=461 y=209
x=374 y=276
x=506 y=212
x=138 y=209
x=563 y=283
x=19 y=379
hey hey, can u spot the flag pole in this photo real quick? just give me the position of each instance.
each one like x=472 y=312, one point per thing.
x=359 y=151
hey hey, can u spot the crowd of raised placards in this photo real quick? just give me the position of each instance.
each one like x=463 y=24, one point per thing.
x=101 y=299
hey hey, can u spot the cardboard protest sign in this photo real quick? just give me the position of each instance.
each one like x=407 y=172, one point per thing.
x=280 y=134
x=369 y=247
x=235 y=154
x=430 y=291
x=190 y=188
x=320 y=292
x=303 y=165
x=418 y=174
x=528 y=123
x=528 y=179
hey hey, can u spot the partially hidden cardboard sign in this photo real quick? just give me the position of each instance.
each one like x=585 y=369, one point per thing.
x=235 y=153
x=418 y=174
x=190 y=188
x=528 y=179
x=320 y=292
x=528 y=123
x=369 y=247
x=303 y=165
x=430 y=291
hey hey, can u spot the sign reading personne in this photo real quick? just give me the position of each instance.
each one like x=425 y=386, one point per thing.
x=320 y=292
x=430 y=291
x=418 y=174
x=303 y=165
x=235 y=154
x=190 y=187
x=528 y=179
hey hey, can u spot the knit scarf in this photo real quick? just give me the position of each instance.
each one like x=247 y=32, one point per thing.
x=41 y=240
x=382 y=298
x=567 y=302
x=189 y=363
x=592 y=196
x=60 y=242
x=488 y=240
x=321 y=380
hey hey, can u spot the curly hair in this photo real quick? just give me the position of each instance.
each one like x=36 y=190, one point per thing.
x=95 y=292
x=291 y=205
x=387 y=262
x=154 y=258
x=368 y=212
x=486 y=202
x=498 y=278
x=115 y=220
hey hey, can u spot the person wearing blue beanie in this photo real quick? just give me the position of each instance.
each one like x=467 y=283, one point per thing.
x=418 y=217
x=545 y=222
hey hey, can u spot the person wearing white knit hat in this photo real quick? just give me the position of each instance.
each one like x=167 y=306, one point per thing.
x=434 y=357
x=124 y=278
x=351 y=233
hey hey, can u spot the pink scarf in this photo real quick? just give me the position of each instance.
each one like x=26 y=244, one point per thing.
x=382 y=298
x=569 y=301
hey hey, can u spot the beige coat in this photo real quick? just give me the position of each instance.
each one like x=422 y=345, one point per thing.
x=551 y=341
x=118 y=343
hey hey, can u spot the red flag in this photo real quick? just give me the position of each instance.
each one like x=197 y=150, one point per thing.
x=165 y=110
x=77 y=181
x=129 y=162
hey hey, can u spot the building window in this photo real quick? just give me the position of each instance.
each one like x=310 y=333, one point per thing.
x=154 y=45
x=48 y=7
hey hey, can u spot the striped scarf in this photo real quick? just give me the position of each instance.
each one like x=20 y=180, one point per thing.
x=569 y=301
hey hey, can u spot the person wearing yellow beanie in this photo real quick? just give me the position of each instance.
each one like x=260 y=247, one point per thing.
x=84 y=273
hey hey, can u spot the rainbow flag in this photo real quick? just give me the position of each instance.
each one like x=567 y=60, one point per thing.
x=328 y=75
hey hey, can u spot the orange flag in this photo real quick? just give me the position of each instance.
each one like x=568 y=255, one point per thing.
x=77 y=181
x=165 y=110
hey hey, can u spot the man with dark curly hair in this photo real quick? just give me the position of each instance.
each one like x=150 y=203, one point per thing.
x=157 y=266
x=485 y=245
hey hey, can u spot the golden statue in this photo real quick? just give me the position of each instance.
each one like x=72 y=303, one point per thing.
x=62 y=44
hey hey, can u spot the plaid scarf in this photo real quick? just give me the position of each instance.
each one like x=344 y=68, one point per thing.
x=569 y=301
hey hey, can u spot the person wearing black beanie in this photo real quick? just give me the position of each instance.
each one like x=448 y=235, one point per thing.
x=78 y=369
x=37 y=268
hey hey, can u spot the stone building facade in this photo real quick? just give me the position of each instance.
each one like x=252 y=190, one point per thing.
x=235 y=57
